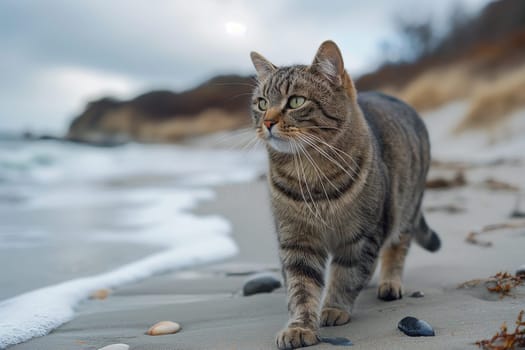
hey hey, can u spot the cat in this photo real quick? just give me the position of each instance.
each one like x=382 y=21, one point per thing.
x=347 y=173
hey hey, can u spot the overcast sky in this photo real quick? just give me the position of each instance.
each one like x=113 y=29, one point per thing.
x=55 y=55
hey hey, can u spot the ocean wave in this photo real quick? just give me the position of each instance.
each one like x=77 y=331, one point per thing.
x=38 y=312
x=149 y=190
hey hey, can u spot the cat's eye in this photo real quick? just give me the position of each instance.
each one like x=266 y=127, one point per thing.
x=296 y=102
x=262 y=104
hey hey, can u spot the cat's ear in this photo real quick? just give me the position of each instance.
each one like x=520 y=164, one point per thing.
x=329 y=62
x=262 y=65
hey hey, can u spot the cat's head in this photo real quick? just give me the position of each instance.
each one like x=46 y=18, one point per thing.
x=296 y=106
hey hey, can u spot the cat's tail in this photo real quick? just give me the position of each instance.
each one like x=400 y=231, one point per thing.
x=426 y=237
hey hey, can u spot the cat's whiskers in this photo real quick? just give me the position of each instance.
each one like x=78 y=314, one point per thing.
x=240 y=95
x=306 y=181
x=319 y=173
x=225 y=140
x=330 y=158
x=355 y=169
x=251 y=144
x=231 y=134
x=337 y=150
x=319 y=127
x=296 y=166
x=254 y=85
x=318 y=170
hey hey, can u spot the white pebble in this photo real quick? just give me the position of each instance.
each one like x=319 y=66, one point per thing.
x=164 y=327
x=115 y=347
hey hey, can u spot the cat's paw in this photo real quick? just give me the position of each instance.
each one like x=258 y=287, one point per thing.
x=334 y=317
x=390 y=290
x=296 y=337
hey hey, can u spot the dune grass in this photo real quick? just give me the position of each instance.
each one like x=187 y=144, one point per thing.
x=436 y=87
x=491 y=97
x=494 y=100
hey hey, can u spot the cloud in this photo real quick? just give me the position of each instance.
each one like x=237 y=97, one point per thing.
x=56 y=94
x=56 y=54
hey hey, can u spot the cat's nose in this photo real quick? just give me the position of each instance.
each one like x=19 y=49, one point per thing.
x=269 y=124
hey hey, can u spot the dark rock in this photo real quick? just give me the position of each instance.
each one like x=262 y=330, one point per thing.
x=417 y=294
x=413 y=327
x=219 y=104
x=240 y=273
x=337 y=341
x=260 y=284
x=521 y=271
x=516 y=214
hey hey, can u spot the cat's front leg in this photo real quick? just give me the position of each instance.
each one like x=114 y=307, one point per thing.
x=303 y=268
x=392 y=262
x=351 y=268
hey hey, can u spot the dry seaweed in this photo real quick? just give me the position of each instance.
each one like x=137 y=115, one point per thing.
x=472 y=283
x=442 y=183
x=447 y=208
x=503 y=340
x=497 y=185
x=502 y=283
x=472 y=237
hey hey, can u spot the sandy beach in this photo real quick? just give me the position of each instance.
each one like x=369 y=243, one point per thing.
x=134 y=171
x=206 y=301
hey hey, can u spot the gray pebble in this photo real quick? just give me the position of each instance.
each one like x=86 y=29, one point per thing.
x=337 y=341
x=516 y=214
x=413 y=327
x=260 y=284
x=521 y=271
x=417 y=294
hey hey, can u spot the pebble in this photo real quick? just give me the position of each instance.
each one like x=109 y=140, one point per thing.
x=417 y=294
x=517 y=214
x=337 y=341
x=260 y=284
x=413 y=327
x=115 y=347
x=100 y=294
x=163 y=328
x=521 y=271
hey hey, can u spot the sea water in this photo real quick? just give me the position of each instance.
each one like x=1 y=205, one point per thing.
x=75 y=218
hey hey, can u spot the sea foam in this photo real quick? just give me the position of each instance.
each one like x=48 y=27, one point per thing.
x=150 y=190
x=38 y=312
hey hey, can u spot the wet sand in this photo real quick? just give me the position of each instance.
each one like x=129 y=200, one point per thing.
x=213 y=315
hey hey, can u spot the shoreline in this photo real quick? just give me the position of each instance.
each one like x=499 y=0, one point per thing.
x=207 y=303
x=102 y=229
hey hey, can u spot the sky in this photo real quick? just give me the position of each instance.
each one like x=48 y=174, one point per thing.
x=57 y=55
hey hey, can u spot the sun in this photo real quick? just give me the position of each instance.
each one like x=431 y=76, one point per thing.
x=235 y=28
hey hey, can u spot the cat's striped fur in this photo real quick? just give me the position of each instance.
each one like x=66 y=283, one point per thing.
x=347 y=175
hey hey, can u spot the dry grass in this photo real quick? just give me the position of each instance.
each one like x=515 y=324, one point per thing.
x=437 y=87
x=206 y=122
x=491 y=99
x=494 y=100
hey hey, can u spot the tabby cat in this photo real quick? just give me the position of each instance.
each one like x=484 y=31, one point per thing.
x=347 y=175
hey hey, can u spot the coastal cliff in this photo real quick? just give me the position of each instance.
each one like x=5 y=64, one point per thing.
x=219 y=104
